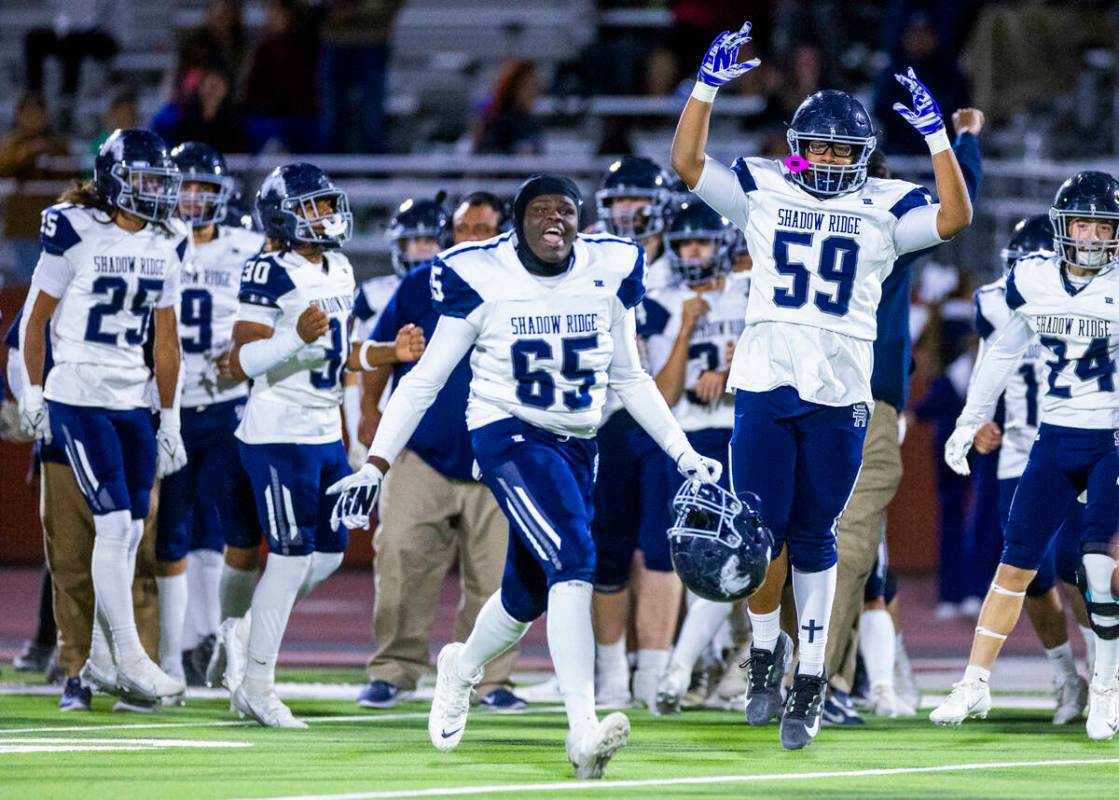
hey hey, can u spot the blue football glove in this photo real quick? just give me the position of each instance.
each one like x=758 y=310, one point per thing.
x=720 y=64
x=925 y=115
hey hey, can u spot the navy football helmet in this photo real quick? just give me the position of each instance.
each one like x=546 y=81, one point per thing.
x=698 y=221
x=133 y=172
x=288 y=206
x=415 y=219
x=720 y=547
x=840 y=120
x=634 y=177
x=200 y=163
x=1087 y=195
x=1030 y=235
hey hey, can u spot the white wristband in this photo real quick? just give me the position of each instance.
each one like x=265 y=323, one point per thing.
x=704 y=93
x=361 y=355
x=262 y=355
x=938 y=142
x=169 y=419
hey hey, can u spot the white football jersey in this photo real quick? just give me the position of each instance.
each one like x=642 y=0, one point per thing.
x=108 y=281
x=714 y=332
x=371 y=298
x=659 y=274
x=211 y=283
x=1022 y=398
x=1080 y=331
x=544 y=344
x=295 y=402
x=817 y=277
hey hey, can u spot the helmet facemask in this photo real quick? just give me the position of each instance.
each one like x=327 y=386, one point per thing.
x=1092 y=254
x=312 y=226
x=694 y=271
x=199 y=208
x=829 y=180
x=638 y=223
x=150 y=193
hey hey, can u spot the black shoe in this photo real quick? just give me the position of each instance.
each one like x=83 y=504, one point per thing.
x=764 y=672
x=200 y=660
x=75 y=697
x=34 y=657
x=190 y=675
x=801 y=721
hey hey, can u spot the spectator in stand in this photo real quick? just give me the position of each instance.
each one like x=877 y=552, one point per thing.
x=123 y=113
x=353 y=74
x=508 y=123
x=281 y=90
x=219 y=42
x=21 y=151
x=210 y=115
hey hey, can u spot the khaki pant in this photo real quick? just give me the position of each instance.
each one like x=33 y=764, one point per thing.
x=68 y=537
x=860 y=532
x=426 y=521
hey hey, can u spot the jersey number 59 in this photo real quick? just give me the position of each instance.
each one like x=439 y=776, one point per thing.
x=839 y=259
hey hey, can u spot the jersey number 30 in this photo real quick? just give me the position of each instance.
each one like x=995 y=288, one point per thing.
x=839 y=259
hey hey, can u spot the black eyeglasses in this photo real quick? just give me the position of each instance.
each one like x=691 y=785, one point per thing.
x=838 y=149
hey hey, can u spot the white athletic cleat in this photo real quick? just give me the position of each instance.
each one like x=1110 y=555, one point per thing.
x=233 y=641
x=590 y=750
x=968 y=699
x=449 y=707
x=1072 y=697
x=267 y=709
x=101 y=678
x=671 y=689
x=1103 y=711
x=143 y=680
x=884 y=702
x=904 y=683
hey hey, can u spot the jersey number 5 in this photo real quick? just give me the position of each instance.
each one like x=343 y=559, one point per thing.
x=839 y=258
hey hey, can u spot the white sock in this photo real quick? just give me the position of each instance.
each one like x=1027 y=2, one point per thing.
x=610 y=663
x=1062 y=661
x=571 y=644
x=203 y=604
x=814 y=592
x=272 y=603
x=322 y=567
x=701 y=623
x=1099 y=569
x=767 y=629
x=100 y=648
x=1089 y=637
x=112 y=582
x=877 y=642
x=651 y=664
x=173 y=591
x=235 y=590
x=495 y=631
x=973 y=673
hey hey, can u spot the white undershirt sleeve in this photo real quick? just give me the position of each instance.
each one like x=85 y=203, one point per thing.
x=718 y=187
x=638 y=392
x=990 y=377
x=916 y=230
x=412 y=397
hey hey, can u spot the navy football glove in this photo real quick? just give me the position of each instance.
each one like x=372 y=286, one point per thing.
x=720 y=64
x=925 y=115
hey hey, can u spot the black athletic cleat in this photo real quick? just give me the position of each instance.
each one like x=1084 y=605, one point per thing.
x=801 y=721
x=764 y=673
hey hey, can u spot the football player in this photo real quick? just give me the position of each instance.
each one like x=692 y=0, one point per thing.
x=1066 y=299
x=631 y=495
x=549 y=313
x=209 y=503
x=823 y=236
x=108 y=277
x=291 y=337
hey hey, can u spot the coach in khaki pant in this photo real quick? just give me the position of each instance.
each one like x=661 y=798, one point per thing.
x=864 y=519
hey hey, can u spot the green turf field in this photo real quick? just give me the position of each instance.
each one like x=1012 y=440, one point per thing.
x=202 y=751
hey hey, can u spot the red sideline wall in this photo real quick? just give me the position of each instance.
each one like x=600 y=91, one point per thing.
x=912 y=521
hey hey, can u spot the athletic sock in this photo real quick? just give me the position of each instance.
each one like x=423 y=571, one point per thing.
x=767 y=629
x=651 y=664
x=974 y=673
x=610 y=661
x=495 y=631
x=322 y=567
x=235 y=590
x=173 y=593
x=1062 y=661
x=100 y=648
x=1089 y=637
x=877 y=642
x=814 y=593
x=701 y=623
x=203 y=603
x=571 y=644
x=271 y=607
x=112 y=573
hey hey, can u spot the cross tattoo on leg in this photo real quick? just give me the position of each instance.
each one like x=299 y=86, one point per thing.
x=812 y=628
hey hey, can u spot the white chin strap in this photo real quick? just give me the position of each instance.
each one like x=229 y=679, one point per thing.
x=1094 y=258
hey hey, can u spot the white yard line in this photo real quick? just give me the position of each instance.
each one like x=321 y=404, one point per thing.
x=581 y=786
x=58 y=745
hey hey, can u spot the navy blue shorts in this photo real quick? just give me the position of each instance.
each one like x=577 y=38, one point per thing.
x=1063 y=463
x=801 y=459
x=1046 y=577
x=545 y=485
x=209 y=502
x=633 y=502
x=112 y=454
x=289 y=483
